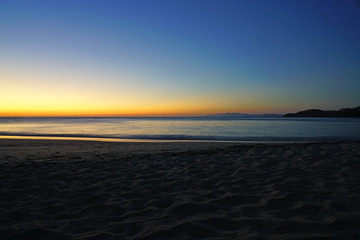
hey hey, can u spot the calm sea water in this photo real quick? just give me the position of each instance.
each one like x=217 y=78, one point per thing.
x=241 y=129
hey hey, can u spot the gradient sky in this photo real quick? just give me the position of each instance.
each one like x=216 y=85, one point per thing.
x=135 y=58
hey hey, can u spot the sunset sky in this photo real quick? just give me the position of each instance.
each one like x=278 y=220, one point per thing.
x=171 y=58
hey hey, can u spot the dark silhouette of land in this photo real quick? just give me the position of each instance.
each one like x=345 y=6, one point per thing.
x=344 y=112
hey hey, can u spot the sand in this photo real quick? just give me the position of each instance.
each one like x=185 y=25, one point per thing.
x=101 y=190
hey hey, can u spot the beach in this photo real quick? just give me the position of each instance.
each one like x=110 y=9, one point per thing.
x=53 y=189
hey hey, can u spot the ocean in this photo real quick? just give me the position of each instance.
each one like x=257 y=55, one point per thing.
x=185 y=128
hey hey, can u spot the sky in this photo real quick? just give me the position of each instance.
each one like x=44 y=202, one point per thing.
x=177 y=58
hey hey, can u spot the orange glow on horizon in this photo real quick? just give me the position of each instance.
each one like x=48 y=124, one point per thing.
x=153 y=112
x=47 y=96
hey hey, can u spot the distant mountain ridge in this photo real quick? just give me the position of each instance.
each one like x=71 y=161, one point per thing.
x=242 y=115
x=344 y=112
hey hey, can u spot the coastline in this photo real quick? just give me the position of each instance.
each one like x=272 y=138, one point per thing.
x=180 y=138
x=64 y=189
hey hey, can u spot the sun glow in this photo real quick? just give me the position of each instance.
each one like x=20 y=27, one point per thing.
x=31 y=93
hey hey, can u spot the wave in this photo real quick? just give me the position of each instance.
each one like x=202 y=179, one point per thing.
x=190 y=137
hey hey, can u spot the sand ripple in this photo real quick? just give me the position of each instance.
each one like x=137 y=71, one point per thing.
x=297 y=191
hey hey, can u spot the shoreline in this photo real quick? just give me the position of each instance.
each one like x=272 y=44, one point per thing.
x=200 y=139
x=59 y=189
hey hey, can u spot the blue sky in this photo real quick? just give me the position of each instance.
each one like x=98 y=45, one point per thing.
x=178 y=57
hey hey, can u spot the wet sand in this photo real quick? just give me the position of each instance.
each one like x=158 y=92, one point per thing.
x=104 y=190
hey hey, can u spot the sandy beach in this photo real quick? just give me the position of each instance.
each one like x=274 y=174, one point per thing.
x=180 y=190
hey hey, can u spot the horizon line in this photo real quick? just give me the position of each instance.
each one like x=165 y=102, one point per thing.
x=136 y=116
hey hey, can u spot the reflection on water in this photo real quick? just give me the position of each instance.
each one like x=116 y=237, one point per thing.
x=186 y=128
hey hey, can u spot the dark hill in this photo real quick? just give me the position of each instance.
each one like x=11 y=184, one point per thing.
x=345 y=112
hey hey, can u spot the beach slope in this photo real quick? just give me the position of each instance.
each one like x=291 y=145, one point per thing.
x=103 y=190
